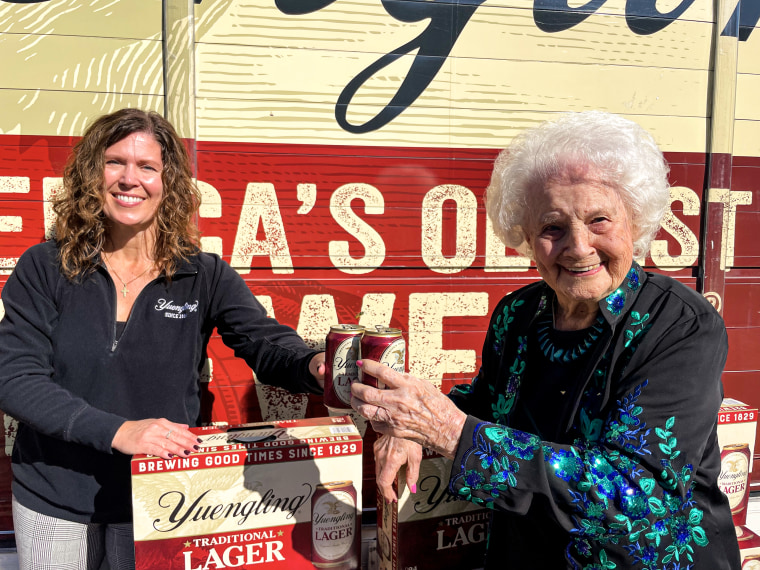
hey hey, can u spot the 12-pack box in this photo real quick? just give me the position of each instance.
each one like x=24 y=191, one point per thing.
x=283 y=494
x=430 y=528
x=749 y=548
x=737 y=423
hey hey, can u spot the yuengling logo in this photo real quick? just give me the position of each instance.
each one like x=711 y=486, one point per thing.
x=173 y=310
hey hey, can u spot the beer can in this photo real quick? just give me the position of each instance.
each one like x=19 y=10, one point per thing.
x=335 y=526
x=341 y=354
x=385 y=345
x=734 y=477
x=751 y=562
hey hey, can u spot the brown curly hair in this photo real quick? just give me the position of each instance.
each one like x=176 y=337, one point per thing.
x=81 y=227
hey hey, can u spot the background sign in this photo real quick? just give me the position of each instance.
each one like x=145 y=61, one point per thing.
x=343 y=147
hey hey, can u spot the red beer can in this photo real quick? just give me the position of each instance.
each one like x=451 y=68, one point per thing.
x=341 y=354
x=734 y=478
x=335 y=527
x=385 y=345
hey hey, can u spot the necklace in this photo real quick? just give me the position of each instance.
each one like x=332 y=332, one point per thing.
x=124 y=284
x=568 y=354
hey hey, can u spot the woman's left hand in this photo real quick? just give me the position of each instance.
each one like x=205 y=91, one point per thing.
x=317 y=368
x=409 y=408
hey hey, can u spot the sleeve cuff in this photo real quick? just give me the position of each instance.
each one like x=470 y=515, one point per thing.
x=95 y=428
x=465 y=443
x=308 y=383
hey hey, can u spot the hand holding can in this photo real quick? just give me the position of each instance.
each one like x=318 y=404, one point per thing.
x=385 y=345
x=342 y=352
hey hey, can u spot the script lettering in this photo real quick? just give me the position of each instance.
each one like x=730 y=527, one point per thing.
x=447 y=20
x=268 y=502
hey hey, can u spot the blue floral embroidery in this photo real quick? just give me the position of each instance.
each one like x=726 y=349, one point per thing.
x=502 y=324
x=619 y=478
x=504 y=402
x=633 y=279
x=496 y=448
x=637 y=327
x=654 y=519
x=616 y=301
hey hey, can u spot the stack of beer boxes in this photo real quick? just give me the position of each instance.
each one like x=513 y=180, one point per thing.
x=737 y=423
x=284 y=494
x=430 y=528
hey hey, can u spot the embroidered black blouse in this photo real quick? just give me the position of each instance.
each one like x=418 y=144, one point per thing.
x=629 y=476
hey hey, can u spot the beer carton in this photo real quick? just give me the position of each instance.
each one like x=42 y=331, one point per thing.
x=430 y=528
x=737 y=423
x=749 y=548
x=284 y=494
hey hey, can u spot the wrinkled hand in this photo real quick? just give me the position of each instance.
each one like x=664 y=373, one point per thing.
x=391 y=454
x=158 y=437
x=409 y=408
x=317 y=368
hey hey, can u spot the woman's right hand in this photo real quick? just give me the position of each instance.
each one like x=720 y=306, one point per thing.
x=391 y=454
x=408 y=408
x=158 y=437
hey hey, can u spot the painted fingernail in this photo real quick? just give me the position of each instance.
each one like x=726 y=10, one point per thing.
x=199 y=440
x=413 y=488
x=359 y=362
x=187 y=452
x=171 y=455
x=196 y=447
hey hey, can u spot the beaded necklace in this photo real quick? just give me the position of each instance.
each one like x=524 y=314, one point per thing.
x=564 y=355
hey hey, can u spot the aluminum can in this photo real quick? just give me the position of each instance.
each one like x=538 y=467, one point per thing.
x=734 y=478
x=751 y=562
x=385 y=345
x=341 y=354
x=335 y=526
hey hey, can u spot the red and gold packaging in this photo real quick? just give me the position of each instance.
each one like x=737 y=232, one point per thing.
x=341 y=354
x=749 y=548
x=734 y=479
x=334 y=530
x=283 y=494
x=736 y=437
x=385 y=345
x=430 y=528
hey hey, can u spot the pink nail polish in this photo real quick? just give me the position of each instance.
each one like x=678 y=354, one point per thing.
x=359 y=363
x=413 y=488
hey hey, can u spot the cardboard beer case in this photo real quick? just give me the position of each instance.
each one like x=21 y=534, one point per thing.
x=284 y=494
x=430 y=528
x=749 y=548
x=737 y=423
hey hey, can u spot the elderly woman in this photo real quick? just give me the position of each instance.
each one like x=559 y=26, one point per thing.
x=590 y=429
x=104 y=339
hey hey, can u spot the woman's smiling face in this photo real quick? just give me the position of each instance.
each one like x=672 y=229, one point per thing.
x=582 y=239
x=132 y=180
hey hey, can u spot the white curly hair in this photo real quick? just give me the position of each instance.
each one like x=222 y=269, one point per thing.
x=621 y=154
